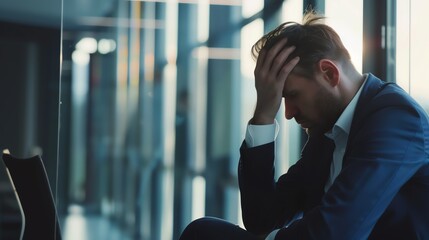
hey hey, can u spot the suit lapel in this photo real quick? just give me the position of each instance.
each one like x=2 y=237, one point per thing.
x=372 y=88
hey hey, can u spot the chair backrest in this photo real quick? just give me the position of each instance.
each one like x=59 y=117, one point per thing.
x=29 y=179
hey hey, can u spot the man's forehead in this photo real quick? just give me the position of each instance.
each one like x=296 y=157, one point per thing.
x=295 y=76
x=295 y=81
x=291 y=83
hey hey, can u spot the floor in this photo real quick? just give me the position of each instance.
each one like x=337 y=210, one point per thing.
x=78 y=226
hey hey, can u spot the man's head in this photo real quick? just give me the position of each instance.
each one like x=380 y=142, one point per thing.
x=323 y=82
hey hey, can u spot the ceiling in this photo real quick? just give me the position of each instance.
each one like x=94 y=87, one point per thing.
x=48 y=12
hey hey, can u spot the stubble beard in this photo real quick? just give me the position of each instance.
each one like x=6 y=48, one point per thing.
x=329 y=109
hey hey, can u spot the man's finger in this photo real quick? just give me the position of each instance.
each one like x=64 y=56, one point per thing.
x=280 y=59
x=272 y=53
x=287 y=68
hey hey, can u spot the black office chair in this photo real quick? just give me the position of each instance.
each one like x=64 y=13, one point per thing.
x=34 y=195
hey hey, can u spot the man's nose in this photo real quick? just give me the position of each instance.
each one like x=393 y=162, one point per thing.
x=290 y=110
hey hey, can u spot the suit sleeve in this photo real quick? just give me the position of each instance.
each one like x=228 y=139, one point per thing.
x=259 y=199
x=387 y=150
x=268 y=204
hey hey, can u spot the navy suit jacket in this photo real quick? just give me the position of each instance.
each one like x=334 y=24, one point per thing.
x=382 y=191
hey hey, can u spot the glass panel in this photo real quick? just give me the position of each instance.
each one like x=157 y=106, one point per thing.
x=29 y=99
x=346 y=17
x=151 y=115
x=412 y=49
x=102 y=55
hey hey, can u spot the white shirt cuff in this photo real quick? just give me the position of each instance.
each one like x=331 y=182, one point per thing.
x=257 y=135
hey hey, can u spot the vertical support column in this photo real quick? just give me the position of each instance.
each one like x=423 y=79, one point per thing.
x=79 y=90
x=30 y=107
x=165 y=56
x=197 y=86
x=219 y=78
x=184 y=150
x=374 y=37
x=224 y=94
x=146 y=129
x=192 y=82
x=131 y=159
x=391 y=41
x=403 y=53
x=318 y=5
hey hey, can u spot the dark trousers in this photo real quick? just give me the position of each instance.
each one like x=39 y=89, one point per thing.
x=209 y=228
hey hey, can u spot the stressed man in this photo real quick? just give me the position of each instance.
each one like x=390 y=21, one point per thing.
x=364 y=171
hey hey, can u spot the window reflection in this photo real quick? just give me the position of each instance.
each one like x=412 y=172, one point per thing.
x=412 y=49
x=348 y=22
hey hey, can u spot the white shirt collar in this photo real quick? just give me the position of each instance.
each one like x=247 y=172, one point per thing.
x=344 y=122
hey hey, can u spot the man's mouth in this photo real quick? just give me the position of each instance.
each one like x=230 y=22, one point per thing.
x=299 y=121
x=303 y=123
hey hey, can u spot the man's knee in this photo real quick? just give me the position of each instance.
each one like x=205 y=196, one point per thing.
x=195 y=228
x=200 y=223
x=205 y=226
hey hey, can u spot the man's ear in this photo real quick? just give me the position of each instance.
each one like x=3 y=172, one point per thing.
x=329 y=71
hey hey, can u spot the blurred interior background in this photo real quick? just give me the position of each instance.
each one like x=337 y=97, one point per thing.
x=138 y=107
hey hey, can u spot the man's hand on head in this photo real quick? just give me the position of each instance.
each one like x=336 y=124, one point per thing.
x=271 y=72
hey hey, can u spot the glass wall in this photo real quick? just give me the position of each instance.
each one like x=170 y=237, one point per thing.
x=156 y=96
x=412 y=49
x=159 y=95
x=138 y=107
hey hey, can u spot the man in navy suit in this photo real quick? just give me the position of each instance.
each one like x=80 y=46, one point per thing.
x=364 y=171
